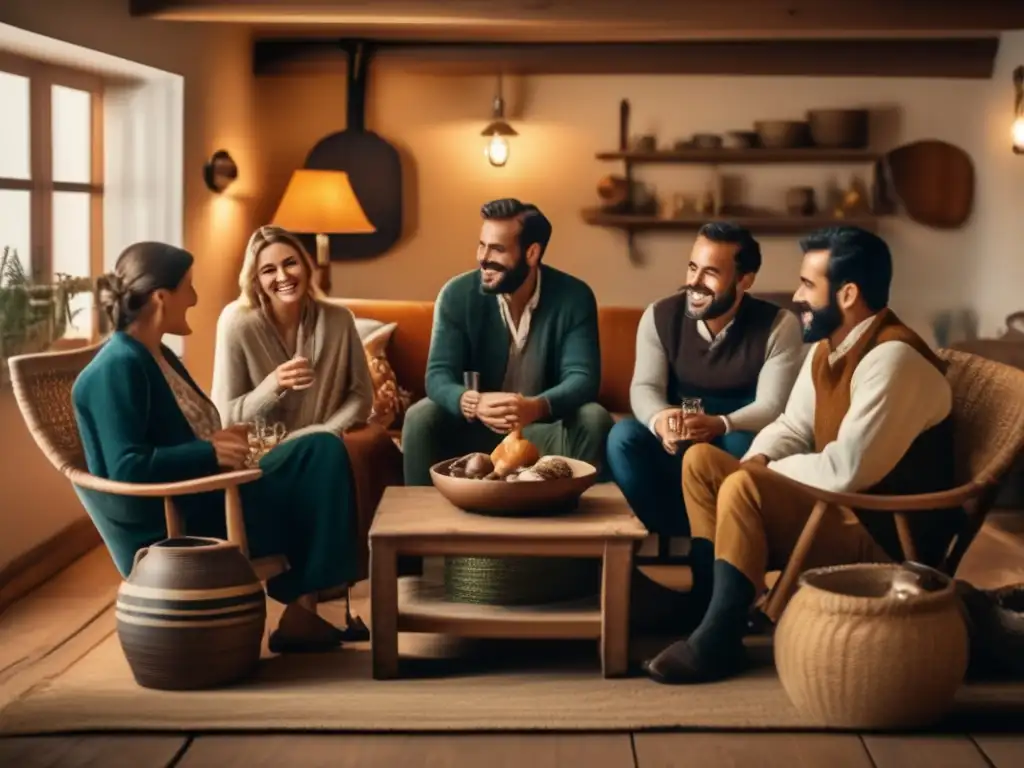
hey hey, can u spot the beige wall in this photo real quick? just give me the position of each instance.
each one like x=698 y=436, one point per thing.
x=998 y=253
x=216 y=63
x=435 y=123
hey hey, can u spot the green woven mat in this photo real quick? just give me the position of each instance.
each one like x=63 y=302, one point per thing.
x=520 y=580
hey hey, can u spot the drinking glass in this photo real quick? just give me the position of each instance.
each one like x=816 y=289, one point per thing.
x=688 y=406
x=262 y=438
x=691 y=405
x=304 y=386
x=273 y=435
x=471 y=380
x=255 y=438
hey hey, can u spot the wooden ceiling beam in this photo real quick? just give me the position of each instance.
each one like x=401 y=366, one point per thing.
x=947 y=58
x=606 y=20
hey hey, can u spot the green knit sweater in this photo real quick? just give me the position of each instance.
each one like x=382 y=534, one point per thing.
x=470 y=335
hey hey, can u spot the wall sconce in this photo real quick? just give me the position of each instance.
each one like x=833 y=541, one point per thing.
x=498 y=131
x=219 y=171
x=1018 y=110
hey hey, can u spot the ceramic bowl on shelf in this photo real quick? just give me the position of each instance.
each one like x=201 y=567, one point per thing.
x=838 y=128
x=539 y=498
x=782 y=134
x=740 y=139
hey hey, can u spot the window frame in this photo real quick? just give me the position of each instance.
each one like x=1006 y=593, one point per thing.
x=42 y=76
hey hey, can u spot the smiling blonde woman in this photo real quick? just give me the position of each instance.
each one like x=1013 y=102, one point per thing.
x=284 y=352
x=289 y=355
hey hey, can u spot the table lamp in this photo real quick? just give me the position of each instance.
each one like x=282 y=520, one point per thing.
x=321 y=202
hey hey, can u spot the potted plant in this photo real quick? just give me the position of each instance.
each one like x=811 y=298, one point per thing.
x=33 y=315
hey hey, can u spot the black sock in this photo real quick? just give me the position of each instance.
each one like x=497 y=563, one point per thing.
x=725 y=622
x=702 y=561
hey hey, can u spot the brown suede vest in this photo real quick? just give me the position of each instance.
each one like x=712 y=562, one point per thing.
x=926 y=467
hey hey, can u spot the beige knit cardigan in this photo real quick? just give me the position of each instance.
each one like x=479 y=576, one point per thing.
x=249 y=349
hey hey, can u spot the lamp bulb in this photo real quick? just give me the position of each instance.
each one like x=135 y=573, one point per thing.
x=1018 y=134
x=496 y=151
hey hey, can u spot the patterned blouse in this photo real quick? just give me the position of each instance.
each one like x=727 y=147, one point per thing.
x=200 y=412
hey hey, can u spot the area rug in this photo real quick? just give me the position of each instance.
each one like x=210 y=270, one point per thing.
x=447 y=686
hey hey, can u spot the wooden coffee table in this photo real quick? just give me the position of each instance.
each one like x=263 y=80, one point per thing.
x=420 y=521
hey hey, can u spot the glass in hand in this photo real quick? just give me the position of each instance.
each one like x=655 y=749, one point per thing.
x=689 y=406
x=262 y=438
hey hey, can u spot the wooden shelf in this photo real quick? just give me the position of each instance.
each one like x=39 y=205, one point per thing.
x=758 y=225
x=746 y=156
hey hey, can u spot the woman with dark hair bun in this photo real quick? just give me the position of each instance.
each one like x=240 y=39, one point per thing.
x=144 y=420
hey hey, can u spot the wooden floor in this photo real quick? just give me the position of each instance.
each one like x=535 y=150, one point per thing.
x=997 y=558
x=639 y=750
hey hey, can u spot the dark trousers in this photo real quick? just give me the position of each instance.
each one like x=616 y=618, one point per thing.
x=651 y=479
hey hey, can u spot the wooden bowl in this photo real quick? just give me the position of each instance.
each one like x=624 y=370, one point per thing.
x=839 y=128
x=541 y=498
x=782 y=134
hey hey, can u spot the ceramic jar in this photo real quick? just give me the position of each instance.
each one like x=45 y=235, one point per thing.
x=872 y=646
x=191 y=614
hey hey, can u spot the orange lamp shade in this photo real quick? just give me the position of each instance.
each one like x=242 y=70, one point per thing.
x=321 y=202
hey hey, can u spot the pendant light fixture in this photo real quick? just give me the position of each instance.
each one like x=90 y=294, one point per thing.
x=498 y=132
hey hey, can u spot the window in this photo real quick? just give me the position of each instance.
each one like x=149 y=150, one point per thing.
x=51 y=176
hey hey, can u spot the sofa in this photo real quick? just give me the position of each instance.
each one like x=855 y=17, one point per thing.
x=407 y=326
x=396 y=338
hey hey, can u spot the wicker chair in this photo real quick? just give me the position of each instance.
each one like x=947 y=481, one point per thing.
x=42 y=386
x=988 y=427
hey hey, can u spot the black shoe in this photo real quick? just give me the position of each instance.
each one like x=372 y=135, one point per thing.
x=679 y=664
x=355 y=631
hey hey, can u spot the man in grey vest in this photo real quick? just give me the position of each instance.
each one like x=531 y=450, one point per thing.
x=711 y=340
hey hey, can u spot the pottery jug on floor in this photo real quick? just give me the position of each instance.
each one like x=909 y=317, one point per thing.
x=191 y=614
x=872 y=646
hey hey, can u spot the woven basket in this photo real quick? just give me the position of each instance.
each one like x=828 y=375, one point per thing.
x=520 y=580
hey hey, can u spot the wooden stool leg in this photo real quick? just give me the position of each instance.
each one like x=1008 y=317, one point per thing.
x=616 y=572
x=384 y=609
x=786 y=584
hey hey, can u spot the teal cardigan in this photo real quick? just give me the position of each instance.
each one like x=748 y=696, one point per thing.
x=470 y=335
x=133 y=431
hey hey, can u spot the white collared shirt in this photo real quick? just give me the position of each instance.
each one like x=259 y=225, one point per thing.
x=708 y=336
x=851 y=338
x=521 y=332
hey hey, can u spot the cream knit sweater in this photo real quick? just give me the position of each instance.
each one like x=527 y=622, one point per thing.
x=249 y=350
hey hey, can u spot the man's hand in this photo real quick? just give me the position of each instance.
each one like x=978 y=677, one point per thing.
x=468 y=403
x=503 y=411
x=702 y=428
x=529 y=410
x=496 y=411
x=662 y=426
x=758 y=460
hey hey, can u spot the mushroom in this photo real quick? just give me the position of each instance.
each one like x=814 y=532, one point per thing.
x=512 y=453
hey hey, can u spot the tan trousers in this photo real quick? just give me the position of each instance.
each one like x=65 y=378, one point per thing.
x=754 y=518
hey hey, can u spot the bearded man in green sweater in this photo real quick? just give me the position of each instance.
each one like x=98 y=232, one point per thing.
x=528 y=333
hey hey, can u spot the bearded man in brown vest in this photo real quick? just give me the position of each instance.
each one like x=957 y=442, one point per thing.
x=869 y=413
